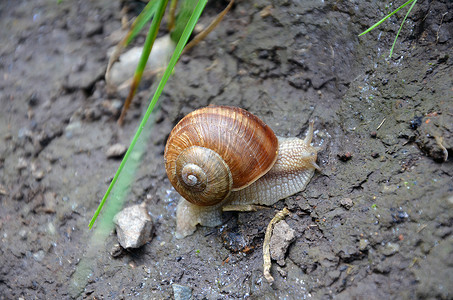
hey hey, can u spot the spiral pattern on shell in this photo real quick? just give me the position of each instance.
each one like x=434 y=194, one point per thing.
x=218 y=149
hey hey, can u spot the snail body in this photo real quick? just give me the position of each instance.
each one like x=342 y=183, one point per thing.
x=221 y=155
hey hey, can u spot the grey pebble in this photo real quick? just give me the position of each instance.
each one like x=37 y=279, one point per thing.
x=116 y=150
x=182 y=292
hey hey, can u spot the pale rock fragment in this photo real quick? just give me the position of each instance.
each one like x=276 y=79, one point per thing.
x=116 y=151
x=133 y=226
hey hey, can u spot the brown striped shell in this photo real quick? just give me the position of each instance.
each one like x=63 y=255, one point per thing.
x=218 y=149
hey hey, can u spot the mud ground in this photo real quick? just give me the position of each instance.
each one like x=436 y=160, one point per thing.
x=375 y=223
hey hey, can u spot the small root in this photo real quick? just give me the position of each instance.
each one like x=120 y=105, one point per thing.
x=199 y=37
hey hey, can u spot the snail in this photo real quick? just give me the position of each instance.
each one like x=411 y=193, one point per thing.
x=221 y=156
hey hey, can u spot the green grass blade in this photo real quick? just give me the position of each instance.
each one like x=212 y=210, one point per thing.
x=174 y=59
x=154 y=28
x=386 y=17
x=143 y=18
x=399 y=30
x=147 y=13
x=151 y=37
x=149 y=42
x=185 y=11
x=87 y=264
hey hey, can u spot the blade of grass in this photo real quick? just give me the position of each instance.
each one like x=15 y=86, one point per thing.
x=174 y=59
x=185 y=11
x=153 y=28
x=87 y=264
x=150 y=38
x=143 y=18
x=386 y=17
x=399 y=30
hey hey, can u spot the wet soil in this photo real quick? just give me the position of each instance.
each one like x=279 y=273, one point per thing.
x=375 y=223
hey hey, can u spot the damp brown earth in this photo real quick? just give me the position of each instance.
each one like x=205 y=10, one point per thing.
x=375 y=222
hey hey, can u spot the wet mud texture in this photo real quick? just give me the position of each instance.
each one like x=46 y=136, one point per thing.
x=375 y=223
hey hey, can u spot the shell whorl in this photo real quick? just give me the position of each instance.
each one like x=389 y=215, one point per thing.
x=203 y=176
x=241 y=147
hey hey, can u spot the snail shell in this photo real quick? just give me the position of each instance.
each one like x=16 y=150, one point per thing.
x=218 y=149
x=221 y=155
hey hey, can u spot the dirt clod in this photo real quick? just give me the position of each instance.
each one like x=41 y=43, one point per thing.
x=282 y=237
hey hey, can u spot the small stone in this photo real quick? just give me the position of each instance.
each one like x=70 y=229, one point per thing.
x=23 y=234
x=282 y=271
x=39 y=256
x=363 y=244
x=390 y=249
x=112 y=107
x=116 y=251
x=43 y=138
x=72 y=129
x=21 y=163
x=92 y=113
x=47 y=203
x=346 y=203
x=124 y=68
x=389 y=189
x=51 y=229
x=8 y=136
x=33 y=100
x=24 y=133
x=3 y=190
x=265 y=12
x=185 y=59
x=373 y=134
x=375 y=155
x=282 y=237
x=38 y=174
x=93 y=28
x=84 y=75
x=18 y=195
x=117 y=104
x=50 y=202
x=450 y=200
x=181 y=292
x=133 y=226
x=345 y=156
x=399 y=216
x=116 y=151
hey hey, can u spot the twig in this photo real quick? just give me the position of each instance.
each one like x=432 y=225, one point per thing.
x=380 y=125
x=199 y=37
x=437 y=33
